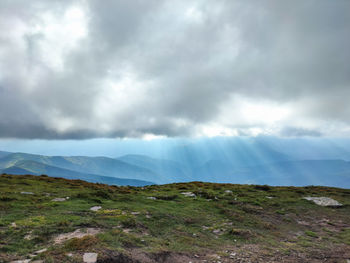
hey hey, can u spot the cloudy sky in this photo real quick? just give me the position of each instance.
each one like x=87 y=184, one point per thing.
x=145 y=69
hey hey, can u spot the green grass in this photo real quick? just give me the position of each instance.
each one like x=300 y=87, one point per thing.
x=213 y=221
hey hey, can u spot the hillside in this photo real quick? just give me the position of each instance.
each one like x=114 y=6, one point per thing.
x=37 y=168
x=50 y=219
x=82 y=167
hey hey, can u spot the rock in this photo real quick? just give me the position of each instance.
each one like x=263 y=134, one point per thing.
x=135 y=213
x=232 y=255
x=58 y=199
x=95 y=208
x=323 y=201
x=228 y=191
x=41 y=251
x=21 y=261
x=13 y=224
x=90 y=257
x=216 y=231
x=28 y=237
x=79 y=233
x=188 y=194
x=151 y=198
x=27 y=193
x=269 y=197
x=37 y=261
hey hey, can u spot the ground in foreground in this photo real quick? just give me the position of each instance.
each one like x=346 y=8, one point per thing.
x=59 y=220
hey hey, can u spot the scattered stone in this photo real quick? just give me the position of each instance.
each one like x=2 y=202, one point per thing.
x=135 y=213
x=13 y=224
x=41 y=251
x=148 y=216
x=37 y=261
x=269 y=197
x=228 y=191
x=323 y=201
x=95 y=208
x=28 y=237
x=188 y=194
x=217 y=231
x=27 y=193
x=152 y=198
x=90 y=257
x=58 y=199
x=79 y=233
x=69 y=255
x=232 y=255
x=304 y=223
x=21 y=261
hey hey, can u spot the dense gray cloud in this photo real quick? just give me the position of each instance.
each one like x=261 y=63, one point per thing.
x=83 y=69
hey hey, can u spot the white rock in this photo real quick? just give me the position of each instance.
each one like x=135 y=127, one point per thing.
x=151 y=198
x=90 y=257
x=188 y=194
x=27 y=193
x=95 y=208
x=41 y=251
x=216 y=231
x=58 y=199
x=79 y=233
x=21 y=261
x=28 y=237
x=323 y=201
x=135 y=213
x=228 y=191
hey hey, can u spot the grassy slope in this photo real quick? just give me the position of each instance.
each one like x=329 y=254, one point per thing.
x=173 y=228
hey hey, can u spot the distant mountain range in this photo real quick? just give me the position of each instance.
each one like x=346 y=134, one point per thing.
x=91 y=169
x=231 y=161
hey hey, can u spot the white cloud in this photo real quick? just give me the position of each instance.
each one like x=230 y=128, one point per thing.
x=78 y=69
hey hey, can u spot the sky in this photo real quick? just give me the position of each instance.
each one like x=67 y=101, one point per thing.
x=118 y=69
